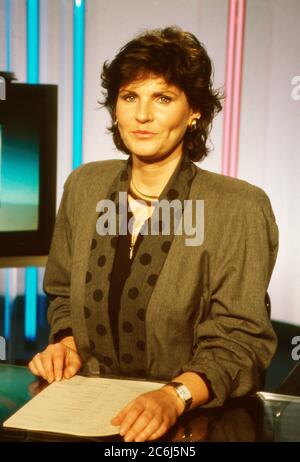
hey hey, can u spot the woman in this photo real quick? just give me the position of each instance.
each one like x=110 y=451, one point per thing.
x=157 y=305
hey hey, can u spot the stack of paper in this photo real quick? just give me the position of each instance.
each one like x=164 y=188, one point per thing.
x=82 y=406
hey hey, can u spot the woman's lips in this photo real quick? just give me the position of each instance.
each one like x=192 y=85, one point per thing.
x=143 y=132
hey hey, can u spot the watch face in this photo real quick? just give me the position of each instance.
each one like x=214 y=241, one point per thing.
x=184 y=392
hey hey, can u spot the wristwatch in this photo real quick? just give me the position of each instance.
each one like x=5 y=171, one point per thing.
x=183 y=392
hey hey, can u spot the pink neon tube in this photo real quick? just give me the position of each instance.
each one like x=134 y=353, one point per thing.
x=235 y=41
x=228 y=86
x=237 y=88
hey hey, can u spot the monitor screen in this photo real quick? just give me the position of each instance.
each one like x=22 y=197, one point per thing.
x=19 y=174
x=28 y=138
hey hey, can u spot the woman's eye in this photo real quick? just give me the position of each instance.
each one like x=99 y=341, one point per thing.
x=128 y=98
x=164 y=99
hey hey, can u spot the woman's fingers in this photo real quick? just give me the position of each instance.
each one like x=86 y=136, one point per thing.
x=44 y=363
x=59 y=359
x=47 y=361
x=118 y=419
x=33 y=368
x=143 y=427
x=160 y=431
x=55 y=362
x=137 y=423
x=129 y=418
x=148 y=416
x=37 y=366
x=72 y=363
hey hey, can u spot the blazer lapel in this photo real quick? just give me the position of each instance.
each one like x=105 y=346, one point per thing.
x=145 y=270
x=101 y=257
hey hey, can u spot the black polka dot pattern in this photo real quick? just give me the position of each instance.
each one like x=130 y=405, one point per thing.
x=141 y=345
x=145 y=259
x=149 y=257
x=152 y=279
x=87 y=312
x=98 y=295
x=94 y=244
x=166 y=246
x=101 y=330
x=172 y=194
x=107 y=360
x=88 y=277
x=133 y=293
x=127 y=327
x=141 y=314
x=101 y=260
x=127 y=358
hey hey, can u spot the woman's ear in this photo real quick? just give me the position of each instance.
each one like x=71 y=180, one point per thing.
x=193 y=121
x=194 y=116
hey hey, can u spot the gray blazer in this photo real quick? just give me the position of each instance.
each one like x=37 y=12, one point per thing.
x=207 y=310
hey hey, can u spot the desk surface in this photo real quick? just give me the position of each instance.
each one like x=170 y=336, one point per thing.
x=269 y=418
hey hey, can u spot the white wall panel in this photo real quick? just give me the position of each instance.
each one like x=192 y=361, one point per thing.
x=18 y=39
x=270 y=135
x=56 y=67
x=212 y=31
x=2 y=36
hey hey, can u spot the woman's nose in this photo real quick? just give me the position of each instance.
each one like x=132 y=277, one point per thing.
x=143 y=112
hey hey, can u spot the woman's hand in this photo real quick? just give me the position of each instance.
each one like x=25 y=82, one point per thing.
x=57 y=361
x=150 y=415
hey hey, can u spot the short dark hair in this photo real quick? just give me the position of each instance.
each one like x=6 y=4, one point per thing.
x=181 y=60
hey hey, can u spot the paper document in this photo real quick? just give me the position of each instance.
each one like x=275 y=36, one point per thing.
x=81 y=406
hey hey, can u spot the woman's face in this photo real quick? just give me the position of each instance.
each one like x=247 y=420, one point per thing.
x=152 y=118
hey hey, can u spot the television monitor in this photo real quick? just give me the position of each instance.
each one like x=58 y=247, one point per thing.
x=28 y=158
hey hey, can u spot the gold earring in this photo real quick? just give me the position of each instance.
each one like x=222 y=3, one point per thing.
x=193 y=125
x=116 y=123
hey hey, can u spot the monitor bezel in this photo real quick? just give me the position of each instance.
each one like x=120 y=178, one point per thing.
x=17 y=244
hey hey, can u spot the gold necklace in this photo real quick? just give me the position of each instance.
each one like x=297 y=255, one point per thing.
x=132 y=244
x=138 y=194
x=133 y=240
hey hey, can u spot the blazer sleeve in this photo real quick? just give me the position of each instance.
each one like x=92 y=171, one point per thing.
x=57 y=277
x=236 y=342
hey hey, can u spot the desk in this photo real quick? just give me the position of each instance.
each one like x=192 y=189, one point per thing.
x=273 y=418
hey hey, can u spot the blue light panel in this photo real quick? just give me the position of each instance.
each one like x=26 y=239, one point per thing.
x=78 y=80
x=32 y=77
